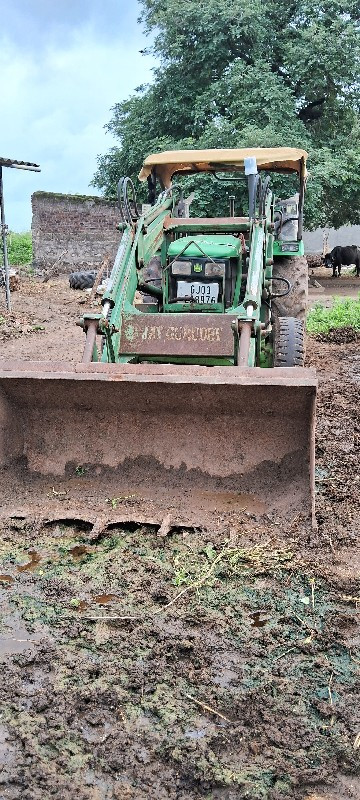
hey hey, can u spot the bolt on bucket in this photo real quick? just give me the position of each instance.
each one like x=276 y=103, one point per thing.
x=192 y=440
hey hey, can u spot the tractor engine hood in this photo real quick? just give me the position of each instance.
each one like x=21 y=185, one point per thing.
x=216 y=246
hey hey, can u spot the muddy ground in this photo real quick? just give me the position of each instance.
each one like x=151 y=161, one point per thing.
x=323 y=287
x=217 y=663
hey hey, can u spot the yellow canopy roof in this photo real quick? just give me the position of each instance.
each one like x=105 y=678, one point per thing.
x=268 y=158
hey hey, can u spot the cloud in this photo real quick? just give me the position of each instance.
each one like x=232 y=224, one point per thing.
x=39 y=23
x=62 y=69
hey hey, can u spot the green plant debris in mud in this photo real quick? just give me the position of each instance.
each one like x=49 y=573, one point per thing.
x=344 y=313
x=29 y=727
x=80 y=470
x=72 y=560
x=35 y=609
x=75 y=602
x=114 y=501
x=177 y=672
x=230 y=561
x=255 y=782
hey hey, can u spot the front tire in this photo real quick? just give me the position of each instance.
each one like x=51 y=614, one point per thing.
x=288 y=342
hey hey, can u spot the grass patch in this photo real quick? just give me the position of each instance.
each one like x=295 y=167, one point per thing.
x=19 y=247
x=344 y=313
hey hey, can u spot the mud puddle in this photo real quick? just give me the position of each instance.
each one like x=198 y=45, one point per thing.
x=258 y=620
x=101 y=600
x=15 y=638
x=31 y=565
x=6 y=580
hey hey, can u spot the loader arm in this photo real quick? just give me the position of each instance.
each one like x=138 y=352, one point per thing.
x=125 y=327
x=138 y=243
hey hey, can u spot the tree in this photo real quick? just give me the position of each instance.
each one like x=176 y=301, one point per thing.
x=250 y=72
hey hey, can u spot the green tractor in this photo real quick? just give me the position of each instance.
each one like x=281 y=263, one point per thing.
x=248 y=271
x=192 y=377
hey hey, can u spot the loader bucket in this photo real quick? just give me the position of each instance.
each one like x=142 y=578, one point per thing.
x=192 y=441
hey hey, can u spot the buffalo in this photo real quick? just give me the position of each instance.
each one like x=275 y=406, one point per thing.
x=343 y=256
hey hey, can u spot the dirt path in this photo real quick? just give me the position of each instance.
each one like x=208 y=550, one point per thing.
x=348 y=285
x=42 y=325
x=220 y=663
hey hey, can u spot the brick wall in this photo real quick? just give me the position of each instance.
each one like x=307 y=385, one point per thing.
x=72 y=231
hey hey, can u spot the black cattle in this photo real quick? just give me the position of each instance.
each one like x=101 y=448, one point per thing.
x=343 y=256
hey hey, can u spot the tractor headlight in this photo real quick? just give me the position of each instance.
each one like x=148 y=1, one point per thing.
x=213 y=269
x=181 y=268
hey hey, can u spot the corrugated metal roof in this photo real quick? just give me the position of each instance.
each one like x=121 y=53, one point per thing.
x=11 y=162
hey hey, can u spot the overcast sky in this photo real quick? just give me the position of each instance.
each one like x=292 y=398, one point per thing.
x=63 y=65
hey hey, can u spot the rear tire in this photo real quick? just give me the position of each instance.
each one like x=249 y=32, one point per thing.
x=82 y=280
x=288 y=342
x=295 y=269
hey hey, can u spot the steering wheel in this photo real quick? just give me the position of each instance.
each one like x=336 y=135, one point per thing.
x=127 y=201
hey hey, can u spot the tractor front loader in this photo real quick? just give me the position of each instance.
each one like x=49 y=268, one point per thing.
x=192 y=393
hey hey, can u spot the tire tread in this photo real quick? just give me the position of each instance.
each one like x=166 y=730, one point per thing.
x=82 y=280
x=288 y=342
x=295 y=269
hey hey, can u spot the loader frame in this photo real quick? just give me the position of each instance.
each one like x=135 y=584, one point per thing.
x=179 y=332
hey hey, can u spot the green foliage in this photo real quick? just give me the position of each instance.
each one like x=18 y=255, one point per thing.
x=19 y=246
x=80 y=471
x=333 y=196
x=235 y=73
x=344 y=313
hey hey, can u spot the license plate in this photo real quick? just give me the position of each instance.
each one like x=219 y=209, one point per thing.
x=198 y=291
